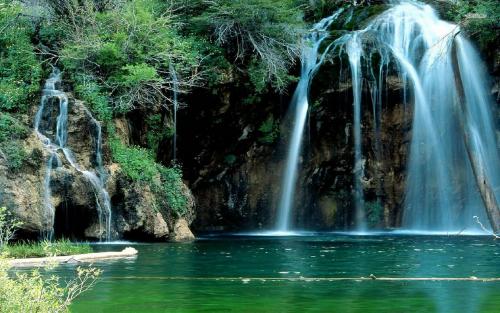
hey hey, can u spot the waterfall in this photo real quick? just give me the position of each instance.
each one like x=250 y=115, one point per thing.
x=441 y=193
x=52 y=92
x=300 y=105
x=354 y=50
x=175 y=107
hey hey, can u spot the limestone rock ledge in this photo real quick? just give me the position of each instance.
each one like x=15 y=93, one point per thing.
x=136 y=213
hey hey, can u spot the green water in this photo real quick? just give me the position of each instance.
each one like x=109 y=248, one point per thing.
x=249 y=274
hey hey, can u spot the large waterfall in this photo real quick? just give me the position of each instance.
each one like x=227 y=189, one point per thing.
x=410 y=41
x=441 y=192
x=51 y=92
x=310 y=62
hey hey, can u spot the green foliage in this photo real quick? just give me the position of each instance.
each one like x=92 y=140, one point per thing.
x=481 y=20
x=11 y=148
x=138 y=164
x=8 y=226
x=157 y=131
x=15 y=154
x=137 y=74
x=45 y=248
x=20 y=70
x=92 y=93
x=129 y=48
x=259 y=31
x=11 y=128
x=270 y=131
x=34 y=292
x=172 y=188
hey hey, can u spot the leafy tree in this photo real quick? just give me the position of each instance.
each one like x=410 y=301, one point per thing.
x=20 y=70
x=263 y=30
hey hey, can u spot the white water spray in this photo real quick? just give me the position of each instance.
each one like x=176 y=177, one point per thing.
x=441 y=194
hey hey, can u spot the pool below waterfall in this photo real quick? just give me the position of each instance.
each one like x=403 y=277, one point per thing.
x=309 y=273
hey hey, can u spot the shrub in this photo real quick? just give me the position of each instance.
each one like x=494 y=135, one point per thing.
x=11 y=128
x=269 y=130
x=480 y=19
x=172 y=188
x=11 y=148
x=15 y=155
x=138 y=164
x=92 y=93
x=157 y=131
x=8 y=226
x=34 y=292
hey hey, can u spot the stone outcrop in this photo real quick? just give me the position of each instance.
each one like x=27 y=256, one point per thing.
x=21 y=191
x=136 y=213
x=181 y=231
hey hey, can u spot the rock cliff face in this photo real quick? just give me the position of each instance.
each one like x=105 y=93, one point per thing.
x=135 y=214
x=232 y=152
x=236 y=177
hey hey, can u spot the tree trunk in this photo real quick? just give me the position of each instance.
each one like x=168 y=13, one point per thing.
x=485 y=189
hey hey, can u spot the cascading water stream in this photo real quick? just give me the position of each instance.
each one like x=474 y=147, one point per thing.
x=175 y=107
x=300 y=105
x=103 y=203
x=354 y=50
x=441 y=194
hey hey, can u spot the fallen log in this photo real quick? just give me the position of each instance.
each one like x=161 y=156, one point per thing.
x=73 y=259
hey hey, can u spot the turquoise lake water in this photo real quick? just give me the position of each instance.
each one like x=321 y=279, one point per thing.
x=299 y=274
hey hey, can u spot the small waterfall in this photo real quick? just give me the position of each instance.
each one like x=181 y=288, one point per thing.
x=441 y=194
x=175 y=107
x=354 y=50
x=50 y=93
x=300 y=104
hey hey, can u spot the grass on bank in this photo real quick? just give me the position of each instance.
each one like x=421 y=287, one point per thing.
x=45 y=248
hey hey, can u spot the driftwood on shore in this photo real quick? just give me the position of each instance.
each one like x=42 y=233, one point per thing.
x=77 y=258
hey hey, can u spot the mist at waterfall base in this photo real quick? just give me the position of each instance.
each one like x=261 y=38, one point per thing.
x=56 y=148
x=410 y=40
